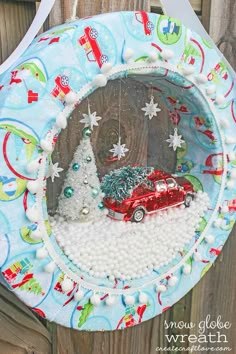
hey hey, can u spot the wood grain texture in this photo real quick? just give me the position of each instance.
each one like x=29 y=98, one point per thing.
x=20 y=330
x=15 y=19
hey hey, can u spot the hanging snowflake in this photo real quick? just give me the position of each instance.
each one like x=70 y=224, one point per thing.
x=119 y=149
x=175 y=140
x=53 y=170
x=151 y=109
x=90 y=119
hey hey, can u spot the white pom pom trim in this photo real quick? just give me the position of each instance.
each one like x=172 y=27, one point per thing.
x=61 y=121
x=143 y=298
x=71 y=98
x=32 y=214
x=95 y=300
x=233 y=174
x=220 y=99
x=197 y=256
x=167 y=54
x=41 y=253
x=230 y=184
x=161 y=288
x=110 y=300
x=33 y=186
x=224 y=123
x=106 y=67
x=50 y=267
x=100 y=80
x=128 y=54
x=210 y=90
x=173 y=281
x=36 y=234
x=129 y=300
x=209 y=239
x=218 y=223
x=231 y=156
x=201 y=79
x=67 y=285
x=46 y=145
x=188 y=70
x=33 y=166
x=230 y=140
x=152 y=56
x=79 y=295
x=187 y=269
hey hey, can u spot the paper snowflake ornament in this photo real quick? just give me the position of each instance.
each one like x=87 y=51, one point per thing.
x=151 y=109
x=53 y=170
x=91 y=119
x=119 y=149
x=175 y=140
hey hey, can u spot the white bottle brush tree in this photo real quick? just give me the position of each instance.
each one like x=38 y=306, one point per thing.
x=81 y=197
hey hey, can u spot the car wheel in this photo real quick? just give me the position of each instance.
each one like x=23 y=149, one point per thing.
x=93 y=33
x=138 y=215
x=188 y=200
x=150 y=26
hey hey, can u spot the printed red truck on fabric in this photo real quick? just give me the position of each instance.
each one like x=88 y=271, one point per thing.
x=91 y=47
x=62 y=87
x=163 y=191
x=22 y=267
x=143 y=18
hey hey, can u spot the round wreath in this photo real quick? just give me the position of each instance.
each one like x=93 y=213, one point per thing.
x=59 y=69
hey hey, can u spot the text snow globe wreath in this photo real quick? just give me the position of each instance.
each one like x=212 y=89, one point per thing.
x=141 y=237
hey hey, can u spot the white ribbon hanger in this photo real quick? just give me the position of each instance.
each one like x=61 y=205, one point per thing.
x=41 y=15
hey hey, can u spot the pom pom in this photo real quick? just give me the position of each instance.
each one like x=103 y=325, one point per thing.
x=218 y=223
x=95 y=300
x=230 y=140
x=33 y=166
x=143 y=298
x=209 y=239
x=61 y=121
x=36 y=235
x=187 y=269
x=129 y=300
x=33 y=186
x=41 y=253
x=197 y=257
x=71 y=98
x=225 y=209
x=128 y=54
x=79 y=295
x=230 y=184
x=106 y=68
x=100 y=80
x=233 y=174
x=46 y=145
x=188 y=70
x=224 y=123
x=32 y=214
x=50 y=267
x=152 y=56
x=201 y=79
x=167 y=54
x=220 y=99
x=161 y=288
x=110 y=300
x=67 y=285
x=173 y=281
x=210 y=90
x=231 y=156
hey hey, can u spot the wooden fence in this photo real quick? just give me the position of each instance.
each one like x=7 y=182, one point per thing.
x=21 y=331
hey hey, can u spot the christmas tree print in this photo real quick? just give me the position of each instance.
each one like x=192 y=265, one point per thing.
x=32 y=286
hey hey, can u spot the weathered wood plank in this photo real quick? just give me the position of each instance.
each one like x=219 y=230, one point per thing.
x=21 y=331
x=15 y=19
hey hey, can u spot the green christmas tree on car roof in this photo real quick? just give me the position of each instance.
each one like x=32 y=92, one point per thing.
x=119 y=184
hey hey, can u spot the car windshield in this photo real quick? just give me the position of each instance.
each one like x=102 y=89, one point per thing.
x=161 y=186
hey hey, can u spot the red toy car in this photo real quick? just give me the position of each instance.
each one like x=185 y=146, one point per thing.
x=163 y=192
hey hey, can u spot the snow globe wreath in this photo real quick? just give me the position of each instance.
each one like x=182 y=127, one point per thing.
x=121 y=249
